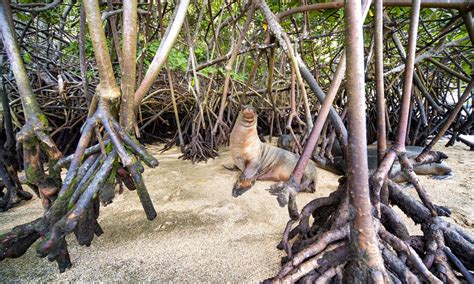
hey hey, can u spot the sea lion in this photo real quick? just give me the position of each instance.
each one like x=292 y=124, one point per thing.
x=338 y=164
x=439 y=170
x=260 y=161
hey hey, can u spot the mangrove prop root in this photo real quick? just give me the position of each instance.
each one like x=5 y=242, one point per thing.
x=94 y=176
x=52 y=244
x=32 y=132
x=198 y=150
x=316 y=249
x=125 y=177
x=286 y=194
x=16 y=242
x=89 y=180
x=14 y=192
x=87 y=225
x=65 y=161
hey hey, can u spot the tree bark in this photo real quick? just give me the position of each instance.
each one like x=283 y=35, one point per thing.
x=366 y=263
x=129 y=51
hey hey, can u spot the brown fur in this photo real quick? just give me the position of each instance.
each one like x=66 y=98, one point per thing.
x=260 y=161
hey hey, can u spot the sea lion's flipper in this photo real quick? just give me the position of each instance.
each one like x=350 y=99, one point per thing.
x=232 y=167
x=246 y=179
x=279 y=190
x=399 y=177
x=443 y=177
x=238 y=189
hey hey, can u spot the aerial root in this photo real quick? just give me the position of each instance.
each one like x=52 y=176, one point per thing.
x=321 y=266
x=459 y=265
x=318 y=252
x=314 y=205
x=90 y=180
x=401 y=247
x=32 y=132
x=398 y=267
x=35 y=128
x=198 y=150
x=53 y=242
x=16 y=242
x=87 y=225
x=286 y=194
x=66 y=161
x=316 y=248
x=408 y=169
x=14 y=192
x=125 y=178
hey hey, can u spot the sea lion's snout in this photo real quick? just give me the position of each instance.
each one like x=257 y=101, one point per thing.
x=248 y=115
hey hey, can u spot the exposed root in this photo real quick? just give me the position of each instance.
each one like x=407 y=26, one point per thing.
x=198 y=144
x=11 y=190
x=34 y=131
x=19 y=239
x=318 y=252
x=286 y=194
x=198 y=150
x=90 y=179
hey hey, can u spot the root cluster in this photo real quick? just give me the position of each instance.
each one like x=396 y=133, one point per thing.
x=90 y=181
x=11 y=190
x=318 y=242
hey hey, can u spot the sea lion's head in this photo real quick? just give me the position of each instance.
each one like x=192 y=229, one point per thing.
x=248 y=116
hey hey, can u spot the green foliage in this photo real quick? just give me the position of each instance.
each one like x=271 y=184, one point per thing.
x=320 y=52
x=43 y=119
x=71 y=49
x=153 y=46
x=53 y=17
x=178 y=59
x=467 y=67
x=242 y=77
x=200 y=52
x=23 y=16
x=26 y=57
x=211 y=70
x=90 y=74
x=397 y=12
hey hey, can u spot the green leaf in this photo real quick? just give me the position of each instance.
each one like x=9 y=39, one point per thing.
x=27 y=57
x=90 y=74
x=71 y=49
x=23 y=17
x=178 y=59
x=238 y=76
x=209 y=70
x=153 y=46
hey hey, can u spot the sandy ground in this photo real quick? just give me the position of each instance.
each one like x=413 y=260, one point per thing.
x=202 y=233
x=457 y=193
